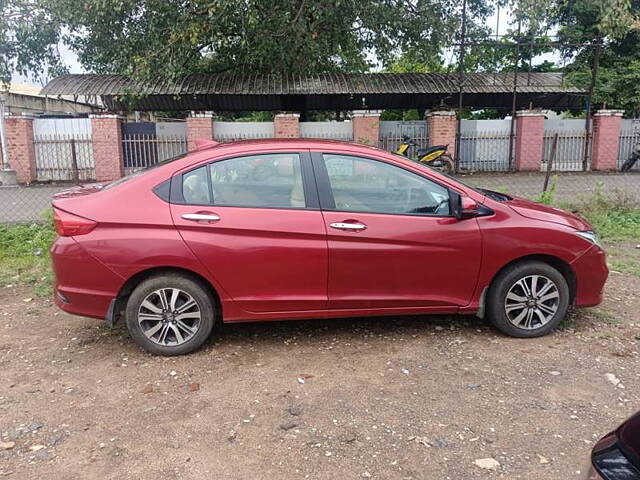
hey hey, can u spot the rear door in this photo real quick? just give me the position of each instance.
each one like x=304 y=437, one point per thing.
x=254 y=222
x=393 y=242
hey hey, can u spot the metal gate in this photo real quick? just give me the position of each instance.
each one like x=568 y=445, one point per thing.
x=484 y=151
x=392 y=132
x=484 y=145
x=569 y=156
x=63 y=149
x=147 y=143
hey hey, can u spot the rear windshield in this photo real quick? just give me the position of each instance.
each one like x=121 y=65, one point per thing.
x=142 y=171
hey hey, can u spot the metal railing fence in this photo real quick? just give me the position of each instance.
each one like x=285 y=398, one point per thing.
x=484 y=151
x=629 y=138
x=569 y=156
x=142 y=151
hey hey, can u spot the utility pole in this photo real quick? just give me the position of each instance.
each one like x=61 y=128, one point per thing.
x=514 y=104
x=463 y=32
x=587 y=122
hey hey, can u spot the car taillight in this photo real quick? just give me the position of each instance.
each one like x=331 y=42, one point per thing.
x=68 y=225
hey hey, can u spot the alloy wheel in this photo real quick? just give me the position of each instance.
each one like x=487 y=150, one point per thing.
x=531 y=302
x=169 y=316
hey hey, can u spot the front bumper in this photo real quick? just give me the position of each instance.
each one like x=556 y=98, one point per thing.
x=83 y=285
x=591 y=275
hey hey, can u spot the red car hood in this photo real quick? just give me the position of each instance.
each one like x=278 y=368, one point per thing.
x=537 y=211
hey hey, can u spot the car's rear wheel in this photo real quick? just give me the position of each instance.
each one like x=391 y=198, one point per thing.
x=170 y=314
x=528 y=299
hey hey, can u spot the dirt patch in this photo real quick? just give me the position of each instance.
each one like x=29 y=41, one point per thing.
x=406 y=398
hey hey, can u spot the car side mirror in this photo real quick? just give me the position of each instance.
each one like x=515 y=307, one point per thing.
x=465 y=207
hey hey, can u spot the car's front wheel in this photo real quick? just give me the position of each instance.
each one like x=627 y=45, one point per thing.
x=528 y=299
x=170 y=314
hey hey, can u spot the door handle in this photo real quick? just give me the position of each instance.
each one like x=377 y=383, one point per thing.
x=347 y=226
x=198 y=217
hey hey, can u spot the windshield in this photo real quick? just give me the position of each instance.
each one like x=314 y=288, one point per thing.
x=142 y=171
x=427 y=167
x=500 y=197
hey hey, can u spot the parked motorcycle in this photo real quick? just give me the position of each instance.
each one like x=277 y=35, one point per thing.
x=435 y=156
x=631 y=161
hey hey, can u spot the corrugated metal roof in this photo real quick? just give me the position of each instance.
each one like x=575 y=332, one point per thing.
x=321 y=84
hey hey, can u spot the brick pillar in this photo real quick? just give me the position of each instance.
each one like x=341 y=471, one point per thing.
x=366 y=127
x=286 y=125
x=199 y=127
x=606 y=139
x=529 y=140
x=106 y=134
x=442 y=127
x=22 y=152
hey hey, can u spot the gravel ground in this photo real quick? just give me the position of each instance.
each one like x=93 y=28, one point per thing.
x=387 y=398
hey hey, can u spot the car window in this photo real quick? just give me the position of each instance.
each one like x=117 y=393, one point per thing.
x=270 y=180
x=364 y=185
x=195 y=187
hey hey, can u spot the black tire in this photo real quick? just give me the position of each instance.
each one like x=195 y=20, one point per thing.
x=189 y=286
x=503 y=283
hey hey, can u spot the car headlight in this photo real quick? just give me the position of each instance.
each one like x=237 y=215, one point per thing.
x=590 y=236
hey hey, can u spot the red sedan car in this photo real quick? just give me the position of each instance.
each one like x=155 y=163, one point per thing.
x=293 y=229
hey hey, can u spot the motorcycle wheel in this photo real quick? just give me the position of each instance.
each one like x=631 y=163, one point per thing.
x=629 y=163
x=448 y=166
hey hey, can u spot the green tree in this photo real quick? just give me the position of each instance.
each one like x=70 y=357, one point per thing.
x=28 y=39
x=167 y=38
x=614 y=25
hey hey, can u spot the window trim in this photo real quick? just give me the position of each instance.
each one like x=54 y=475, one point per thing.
x=325 y=192
x=309 y=187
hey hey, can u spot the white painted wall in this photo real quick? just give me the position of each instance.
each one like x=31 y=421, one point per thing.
x=240 y=130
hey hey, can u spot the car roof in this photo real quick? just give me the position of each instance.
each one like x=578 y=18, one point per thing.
x=286 y=143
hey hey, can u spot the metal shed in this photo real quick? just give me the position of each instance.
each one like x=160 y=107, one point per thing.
x=344 y=91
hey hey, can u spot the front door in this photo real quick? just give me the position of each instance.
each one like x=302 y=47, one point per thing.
x=392 y=240
x=255 y=227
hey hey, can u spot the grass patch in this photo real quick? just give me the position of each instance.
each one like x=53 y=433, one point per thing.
x=613 y=223
x=614 y=215
x=24 y=256
x=624 y=265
